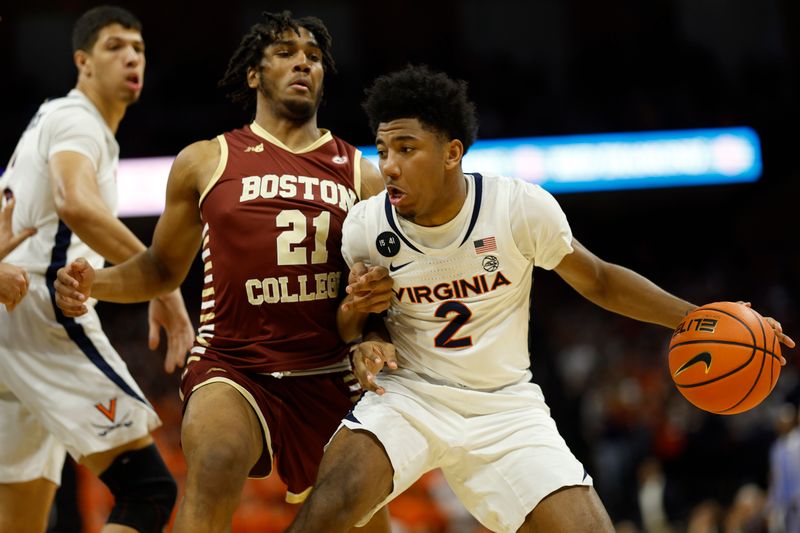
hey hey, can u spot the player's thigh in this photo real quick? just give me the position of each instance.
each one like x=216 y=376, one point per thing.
x=219 y=421
x=25 y=507
x=575 y=509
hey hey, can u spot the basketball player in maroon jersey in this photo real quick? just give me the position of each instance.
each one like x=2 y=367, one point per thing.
x=268 y=375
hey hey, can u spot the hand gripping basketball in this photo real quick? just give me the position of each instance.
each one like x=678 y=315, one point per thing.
x=725 y=358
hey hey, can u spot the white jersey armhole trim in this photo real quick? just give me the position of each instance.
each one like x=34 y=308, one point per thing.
x=223 y=162
x=357 y=173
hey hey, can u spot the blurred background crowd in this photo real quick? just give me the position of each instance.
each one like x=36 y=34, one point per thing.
x=535 y=68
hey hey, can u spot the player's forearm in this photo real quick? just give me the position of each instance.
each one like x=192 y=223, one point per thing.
x=138 y=279
x=94 y=223
x=625 y=292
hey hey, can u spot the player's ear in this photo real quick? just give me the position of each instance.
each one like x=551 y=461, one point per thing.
x=454 y=153
x=252 y=77
x=82 y=62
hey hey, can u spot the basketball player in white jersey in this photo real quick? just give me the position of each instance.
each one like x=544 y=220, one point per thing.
x=13 y=279
x=63 y=388
x=461 y=249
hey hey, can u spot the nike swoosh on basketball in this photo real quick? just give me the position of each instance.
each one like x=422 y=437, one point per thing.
x=393 y=268
x=702 y=357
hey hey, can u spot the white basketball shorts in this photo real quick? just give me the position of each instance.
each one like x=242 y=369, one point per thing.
x=500 y=451
x=62 y=388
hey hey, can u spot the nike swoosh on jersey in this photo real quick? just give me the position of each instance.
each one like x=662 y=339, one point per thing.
x=393 y=268
x=702 y=357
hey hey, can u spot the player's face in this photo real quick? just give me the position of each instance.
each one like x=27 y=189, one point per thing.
x=291 y=75
x=413 y=161
x=115 y=64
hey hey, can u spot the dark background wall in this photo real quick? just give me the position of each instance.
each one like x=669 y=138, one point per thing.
x=540 y=67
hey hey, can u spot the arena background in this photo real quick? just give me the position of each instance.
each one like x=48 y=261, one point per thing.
x=541 y=67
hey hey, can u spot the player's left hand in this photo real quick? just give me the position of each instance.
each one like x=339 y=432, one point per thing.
x=168 y=311
x=369 y=288
x=369 y=358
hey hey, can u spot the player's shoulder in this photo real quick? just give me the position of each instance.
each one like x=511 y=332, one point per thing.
x=200 y=156
x=71 y=112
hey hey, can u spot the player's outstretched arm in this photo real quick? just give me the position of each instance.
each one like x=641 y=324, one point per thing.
x=163 y=266
x=620 y=289
x=9 y=241
x=13 y=285
x=623 y=291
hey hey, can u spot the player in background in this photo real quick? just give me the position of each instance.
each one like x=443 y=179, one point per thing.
x=462 y=249
x=268 y=377
x=64 y=388
x=13 y=279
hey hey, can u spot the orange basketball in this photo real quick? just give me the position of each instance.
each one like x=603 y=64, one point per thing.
x=724 y=358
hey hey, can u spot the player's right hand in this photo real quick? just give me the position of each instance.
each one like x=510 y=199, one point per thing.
x=368 y=358
x=74 y=286
x=13 y=285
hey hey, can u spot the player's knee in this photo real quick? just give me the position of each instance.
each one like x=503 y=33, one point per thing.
x=220 y=462
x=144 y=490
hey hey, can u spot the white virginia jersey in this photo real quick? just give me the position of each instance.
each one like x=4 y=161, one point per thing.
x=460 y=314
x=68 y=124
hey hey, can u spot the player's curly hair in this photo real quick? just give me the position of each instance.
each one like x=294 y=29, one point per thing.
x=251 y=50
x=436 y=100
x=87 y=27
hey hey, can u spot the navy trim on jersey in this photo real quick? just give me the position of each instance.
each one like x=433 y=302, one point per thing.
x=393 y=224
x=477 y=207
x=75 y=331
x=475 y=212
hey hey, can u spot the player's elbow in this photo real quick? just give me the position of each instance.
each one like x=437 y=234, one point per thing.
x=166 y=276
x=72 y=211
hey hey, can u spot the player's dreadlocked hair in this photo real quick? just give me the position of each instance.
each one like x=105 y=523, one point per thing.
x=251 y=51
x=437 y=101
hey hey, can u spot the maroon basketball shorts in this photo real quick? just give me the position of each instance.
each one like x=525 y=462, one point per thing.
x=298 y=415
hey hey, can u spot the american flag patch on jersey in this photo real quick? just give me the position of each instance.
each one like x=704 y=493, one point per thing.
x=487 y=244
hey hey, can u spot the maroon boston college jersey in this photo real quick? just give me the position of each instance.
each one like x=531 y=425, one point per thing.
x=271 y=249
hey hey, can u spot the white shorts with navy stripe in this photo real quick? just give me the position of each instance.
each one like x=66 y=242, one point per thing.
x=63 y=387
x=500 y=451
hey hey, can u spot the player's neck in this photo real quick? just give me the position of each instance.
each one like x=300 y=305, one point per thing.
x=456 y=196
x=111 y=110
x=295 y=135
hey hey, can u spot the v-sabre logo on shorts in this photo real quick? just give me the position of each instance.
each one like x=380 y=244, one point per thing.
x=109 y=412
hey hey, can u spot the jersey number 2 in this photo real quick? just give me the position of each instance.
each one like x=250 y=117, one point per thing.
x=289 y=251
x=445 y=337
